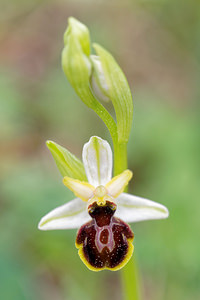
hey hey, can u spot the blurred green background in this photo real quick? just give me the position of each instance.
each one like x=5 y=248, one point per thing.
x=157 y=45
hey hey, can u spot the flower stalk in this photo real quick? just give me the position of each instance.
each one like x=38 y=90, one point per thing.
x=130 y=280
x=129 y=274
x=102 y=205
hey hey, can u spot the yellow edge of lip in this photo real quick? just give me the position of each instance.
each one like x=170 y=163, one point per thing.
x=121 y=265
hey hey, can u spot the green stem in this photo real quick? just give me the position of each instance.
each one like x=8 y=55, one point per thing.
x=101 y=111
x=120 y=149
x=129 y=273
x=107 y=119
x=130 y=281
x=120 y=161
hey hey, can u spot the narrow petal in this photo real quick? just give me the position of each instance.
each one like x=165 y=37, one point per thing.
x=81 y=189
x=70 y=215
x=134 y=209
x=97 y=160
x=118 y=183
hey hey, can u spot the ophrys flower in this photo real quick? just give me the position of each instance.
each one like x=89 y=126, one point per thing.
x=101 y=210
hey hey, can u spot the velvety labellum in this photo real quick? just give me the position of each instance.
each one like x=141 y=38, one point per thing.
x=105 y=242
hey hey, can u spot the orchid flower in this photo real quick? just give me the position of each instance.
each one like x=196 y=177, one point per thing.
x=101 y=209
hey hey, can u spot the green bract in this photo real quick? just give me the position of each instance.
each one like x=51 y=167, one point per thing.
x=116 y=88
x=67 y=163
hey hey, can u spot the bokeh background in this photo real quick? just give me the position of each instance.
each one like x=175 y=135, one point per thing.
x=157 y=45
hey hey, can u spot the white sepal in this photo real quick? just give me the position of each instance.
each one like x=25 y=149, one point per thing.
x=70 y=215
x=135 y=209
x=97 y=160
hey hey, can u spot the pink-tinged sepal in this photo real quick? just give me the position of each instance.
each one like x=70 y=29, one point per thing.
x=106 y=241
